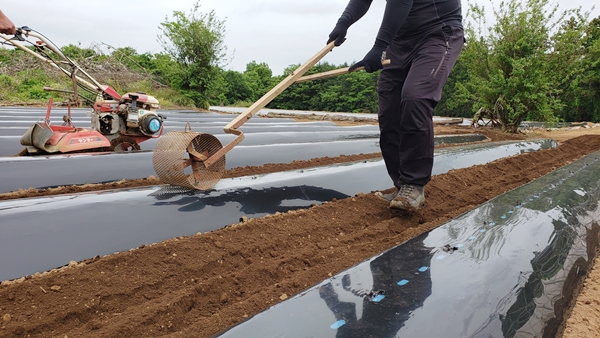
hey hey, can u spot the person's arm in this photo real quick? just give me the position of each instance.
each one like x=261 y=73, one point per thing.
x=353 y=12
x=6 y=26
x=396 y=12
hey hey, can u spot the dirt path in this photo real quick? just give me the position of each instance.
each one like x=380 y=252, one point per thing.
x=200 y=285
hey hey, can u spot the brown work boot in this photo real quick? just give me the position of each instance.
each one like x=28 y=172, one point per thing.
x=386 y=197
x=409 y=197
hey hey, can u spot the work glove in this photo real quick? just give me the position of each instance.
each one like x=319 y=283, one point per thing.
x=371 y=61
x=338 y=34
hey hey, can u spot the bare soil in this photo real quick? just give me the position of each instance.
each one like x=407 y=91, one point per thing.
x=202 y=284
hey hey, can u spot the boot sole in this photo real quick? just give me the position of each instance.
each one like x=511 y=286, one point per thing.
x=405 y=205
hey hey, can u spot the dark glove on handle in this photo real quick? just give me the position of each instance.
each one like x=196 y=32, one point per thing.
x=372 y=61
x=338 y=34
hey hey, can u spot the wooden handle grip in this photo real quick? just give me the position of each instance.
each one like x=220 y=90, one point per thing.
x=333 y=73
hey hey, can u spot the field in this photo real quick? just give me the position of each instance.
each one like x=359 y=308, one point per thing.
x=200 y=285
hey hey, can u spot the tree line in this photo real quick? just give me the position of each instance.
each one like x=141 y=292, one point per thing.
x=534 y=62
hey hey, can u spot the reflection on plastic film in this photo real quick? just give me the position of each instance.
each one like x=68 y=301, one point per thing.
x=505 y=269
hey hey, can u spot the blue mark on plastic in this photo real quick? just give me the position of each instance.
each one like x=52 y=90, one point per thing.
x=403 y=282
x=378 y=298
x=518 y=207
x=503 y=216
x=423 y=269
x=441 y=257
x=511 y=211
x=492 y=224
x=460 y=245
x=471 y=238
x=338 y=324
x=482 y=230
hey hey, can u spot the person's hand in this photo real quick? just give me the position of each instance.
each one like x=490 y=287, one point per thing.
x=6 y=26
x=338 y=34
x=372 y=61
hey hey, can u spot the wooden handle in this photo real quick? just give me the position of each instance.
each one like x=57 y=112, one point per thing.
x=268 y=97
x=231 y=127
x=333 y=73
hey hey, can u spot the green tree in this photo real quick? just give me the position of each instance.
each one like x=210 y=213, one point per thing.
x=590 y=79
x=354 y=92
x=232 y=89
x=456 y=101
x=581 y=88
x=258 y=78
x=509 y=72
x=195 y=42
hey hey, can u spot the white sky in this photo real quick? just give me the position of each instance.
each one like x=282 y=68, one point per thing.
x=278 y=32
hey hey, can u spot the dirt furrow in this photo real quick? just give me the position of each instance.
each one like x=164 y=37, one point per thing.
x=200 y=285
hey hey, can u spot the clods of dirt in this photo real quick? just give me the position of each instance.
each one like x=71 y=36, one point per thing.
x=202 y=284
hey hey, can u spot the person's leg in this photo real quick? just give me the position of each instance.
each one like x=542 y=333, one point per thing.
x=391 y=81
x=434 y=57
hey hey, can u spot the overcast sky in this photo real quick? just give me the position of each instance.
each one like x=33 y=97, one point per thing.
x=277 y=32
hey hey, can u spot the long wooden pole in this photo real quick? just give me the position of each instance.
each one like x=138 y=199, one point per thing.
x=269 y=96
x=231 y=127
x=294 y=77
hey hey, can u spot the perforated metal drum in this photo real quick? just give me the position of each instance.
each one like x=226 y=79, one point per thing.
x=176 y=162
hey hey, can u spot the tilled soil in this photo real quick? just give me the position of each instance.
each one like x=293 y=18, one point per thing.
x=199 y=285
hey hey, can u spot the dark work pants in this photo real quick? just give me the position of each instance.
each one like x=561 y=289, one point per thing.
x=409 y=89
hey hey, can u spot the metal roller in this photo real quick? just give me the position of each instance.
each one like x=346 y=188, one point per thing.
x=179 y=157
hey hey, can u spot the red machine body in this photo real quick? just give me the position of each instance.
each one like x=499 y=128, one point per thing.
x=118 y=122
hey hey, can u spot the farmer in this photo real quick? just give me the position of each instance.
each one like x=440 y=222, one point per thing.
x=6 y=26
x=422 y=38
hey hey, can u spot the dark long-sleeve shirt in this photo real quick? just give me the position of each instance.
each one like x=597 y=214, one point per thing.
x=406 y=18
